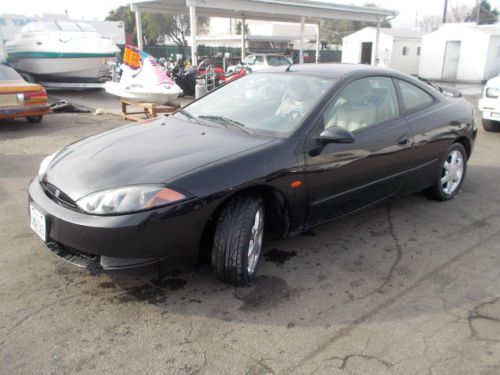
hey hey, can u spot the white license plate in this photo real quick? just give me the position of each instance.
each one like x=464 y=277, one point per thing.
x=6 y=100
x=495 y=114
x=38 y=223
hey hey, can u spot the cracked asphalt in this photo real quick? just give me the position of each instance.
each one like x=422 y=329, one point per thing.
x=409 y=287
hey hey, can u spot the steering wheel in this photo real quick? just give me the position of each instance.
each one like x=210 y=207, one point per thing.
x=294 y=114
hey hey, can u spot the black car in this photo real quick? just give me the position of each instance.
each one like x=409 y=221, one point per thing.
x=284 y=150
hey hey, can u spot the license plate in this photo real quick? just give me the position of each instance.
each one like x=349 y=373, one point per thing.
x=38 y=223
x=495 y=114
x=6 y=100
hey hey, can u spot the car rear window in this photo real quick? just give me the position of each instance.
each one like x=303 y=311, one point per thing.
x=9 y=74
x=413 y=96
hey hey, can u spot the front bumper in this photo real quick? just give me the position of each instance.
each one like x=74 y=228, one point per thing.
x=490 y=108
x=122 y=241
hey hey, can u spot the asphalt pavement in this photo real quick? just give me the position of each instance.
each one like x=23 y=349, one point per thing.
x=408 y=287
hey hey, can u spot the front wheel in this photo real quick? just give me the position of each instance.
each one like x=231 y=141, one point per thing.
x=451 y=174
x=491 y=126
x=238 y=240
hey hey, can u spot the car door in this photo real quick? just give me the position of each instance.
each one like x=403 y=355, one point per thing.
x=345 y=177
x=421 y=110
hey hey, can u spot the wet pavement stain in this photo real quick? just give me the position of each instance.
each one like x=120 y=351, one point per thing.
x=279 y=257
x=264 y=293
x=155 y=293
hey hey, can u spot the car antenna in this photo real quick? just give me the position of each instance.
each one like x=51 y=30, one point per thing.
x=288 y=67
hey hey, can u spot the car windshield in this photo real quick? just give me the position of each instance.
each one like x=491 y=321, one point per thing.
x=9 y=74
x=250 y=59
x=266 y=103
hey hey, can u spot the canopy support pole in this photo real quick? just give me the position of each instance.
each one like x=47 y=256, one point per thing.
x=317 y=44
x=377 y=41
x=301 y=53
x=138 y=26
x=192 y=25
x=243 y=38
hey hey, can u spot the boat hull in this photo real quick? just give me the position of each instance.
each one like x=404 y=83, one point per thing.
x=147 y=96
x=63 y=68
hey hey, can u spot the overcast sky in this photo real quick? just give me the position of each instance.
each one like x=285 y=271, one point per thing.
x=98 y=9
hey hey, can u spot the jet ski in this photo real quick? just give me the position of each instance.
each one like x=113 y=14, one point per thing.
x=142 y=79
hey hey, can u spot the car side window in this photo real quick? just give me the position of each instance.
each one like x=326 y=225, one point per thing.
x=277 y=60
x=259 y=60
x=413 y=97
x=363 y=103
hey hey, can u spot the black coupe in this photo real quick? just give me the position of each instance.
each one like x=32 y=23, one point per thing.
x=282 y=150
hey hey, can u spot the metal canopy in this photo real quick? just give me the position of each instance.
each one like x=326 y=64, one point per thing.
x=271 y=10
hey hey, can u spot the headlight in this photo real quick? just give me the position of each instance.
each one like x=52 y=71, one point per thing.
x=128 y=199
x=45 y=163
x=492 y=92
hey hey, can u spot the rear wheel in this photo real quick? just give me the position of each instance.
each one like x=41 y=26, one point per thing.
x=34 y=119
x=238 y=240
x=491 y=126
x=451 y=174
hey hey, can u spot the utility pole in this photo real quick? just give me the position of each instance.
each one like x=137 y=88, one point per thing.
x=478 y=11
x=445 y=10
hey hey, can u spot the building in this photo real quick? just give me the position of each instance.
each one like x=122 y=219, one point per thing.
x=261 y=35
x=398 y=48
x=461 y=52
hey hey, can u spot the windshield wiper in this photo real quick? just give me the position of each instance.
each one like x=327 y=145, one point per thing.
x=226 y=121
x=189 y=116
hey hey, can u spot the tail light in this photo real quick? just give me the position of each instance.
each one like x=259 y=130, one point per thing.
x=35 y=95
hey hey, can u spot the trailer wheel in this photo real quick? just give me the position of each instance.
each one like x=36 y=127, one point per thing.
x=34 y=119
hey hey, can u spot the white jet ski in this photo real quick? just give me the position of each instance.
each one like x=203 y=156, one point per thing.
x=143 y=80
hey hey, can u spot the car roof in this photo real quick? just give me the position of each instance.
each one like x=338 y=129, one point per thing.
x=331 y=70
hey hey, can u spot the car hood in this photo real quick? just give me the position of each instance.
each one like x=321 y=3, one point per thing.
x=493 y=82
x=154 y=151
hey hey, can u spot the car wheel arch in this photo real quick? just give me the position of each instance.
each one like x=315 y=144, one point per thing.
x=277 y=216
x=464 y=141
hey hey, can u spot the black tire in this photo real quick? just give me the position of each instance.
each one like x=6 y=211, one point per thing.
x=491 y=126
x=34 y=119
x=437 y=191
x=232 y=238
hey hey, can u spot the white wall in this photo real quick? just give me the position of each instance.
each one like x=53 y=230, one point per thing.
x=351 y=45
x=221 y=26
x=492 y=67
x=407 y=64
x=473 y=52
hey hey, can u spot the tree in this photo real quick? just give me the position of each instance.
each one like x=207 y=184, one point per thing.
x=334 y=30
x=487 y=14
x=430 y=23
x=158 y=28
x=125 y=14
x=458 y=13
x=237 y=28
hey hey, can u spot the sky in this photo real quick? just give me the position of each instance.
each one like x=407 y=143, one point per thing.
x=98 y=9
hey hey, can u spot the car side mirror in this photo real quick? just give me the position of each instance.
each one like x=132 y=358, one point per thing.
x=335 y=134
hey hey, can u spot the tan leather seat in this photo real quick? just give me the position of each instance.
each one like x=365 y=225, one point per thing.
x=355 y=111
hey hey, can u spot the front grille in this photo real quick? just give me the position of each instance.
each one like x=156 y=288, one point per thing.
x=57 y=195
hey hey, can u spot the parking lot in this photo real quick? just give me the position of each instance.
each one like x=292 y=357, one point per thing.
x=408 y=287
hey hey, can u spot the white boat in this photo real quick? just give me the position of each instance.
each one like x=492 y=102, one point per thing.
x=143 y=80
x=61 y=51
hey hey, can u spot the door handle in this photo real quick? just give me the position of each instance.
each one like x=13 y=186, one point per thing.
x=404 y=141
